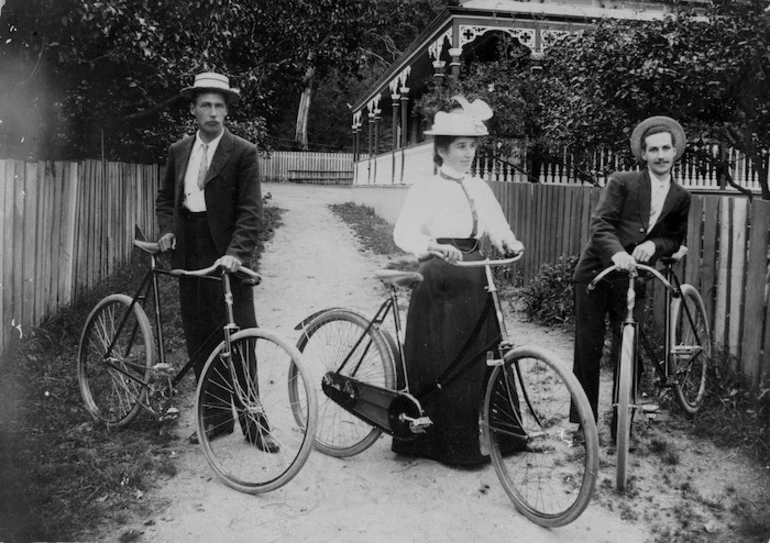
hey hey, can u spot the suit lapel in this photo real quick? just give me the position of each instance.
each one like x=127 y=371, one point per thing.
x=182 y=158
x=645 y=194
x=224 y=149
x=671 y=199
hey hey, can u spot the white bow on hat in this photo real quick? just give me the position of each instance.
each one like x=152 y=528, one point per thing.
x=467 y=120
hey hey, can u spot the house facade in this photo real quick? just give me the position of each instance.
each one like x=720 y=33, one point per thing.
x=389 y=144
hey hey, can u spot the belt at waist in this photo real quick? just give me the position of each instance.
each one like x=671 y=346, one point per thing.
x=466 y=245
x=187 y=214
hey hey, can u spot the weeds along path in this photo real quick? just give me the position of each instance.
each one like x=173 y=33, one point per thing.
x=314 y=261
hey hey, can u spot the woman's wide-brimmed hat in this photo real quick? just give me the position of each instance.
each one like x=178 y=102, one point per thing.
x=211 y=82
x=467 y=120
x=669 y=124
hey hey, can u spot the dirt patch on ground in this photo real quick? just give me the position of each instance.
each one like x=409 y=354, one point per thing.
x=681 y=489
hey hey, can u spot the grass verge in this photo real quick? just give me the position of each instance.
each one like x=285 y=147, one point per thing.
x=61 y=474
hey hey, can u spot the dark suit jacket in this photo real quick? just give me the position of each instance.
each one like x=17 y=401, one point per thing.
x=619 y=222
x=232 y=192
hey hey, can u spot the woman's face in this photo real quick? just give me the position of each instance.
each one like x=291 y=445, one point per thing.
x=459 y=154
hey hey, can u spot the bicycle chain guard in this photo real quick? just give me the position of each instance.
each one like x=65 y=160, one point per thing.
x=390 y=411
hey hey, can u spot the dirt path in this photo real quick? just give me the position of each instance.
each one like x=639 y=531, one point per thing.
x=681 y=489
x=314 y=262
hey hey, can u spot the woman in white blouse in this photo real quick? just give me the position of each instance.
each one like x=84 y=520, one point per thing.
x=443 y=220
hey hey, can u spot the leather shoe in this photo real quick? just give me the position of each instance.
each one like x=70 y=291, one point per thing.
x=213 y=431
x=265 y=442
x=258 y=434
x=578 y=436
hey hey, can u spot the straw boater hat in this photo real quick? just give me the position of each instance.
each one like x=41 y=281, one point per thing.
x=211 y=82
x=467 y=120
x=670 y=125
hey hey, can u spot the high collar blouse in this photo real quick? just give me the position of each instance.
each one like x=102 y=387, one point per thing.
x=438 y=208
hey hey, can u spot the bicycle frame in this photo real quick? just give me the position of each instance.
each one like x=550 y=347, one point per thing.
x=141 y=295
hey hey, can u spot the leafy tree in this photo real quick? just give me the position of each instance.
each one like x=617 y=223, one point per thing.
x=76 y=73
x=708 y=71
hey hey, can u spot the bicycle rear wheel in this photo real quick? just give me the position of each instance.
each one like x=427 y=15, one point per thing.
x=245 y=418
x=691 y=349
x=115 y=356
x=328 y=340
x=625 y=391
x=549 y=476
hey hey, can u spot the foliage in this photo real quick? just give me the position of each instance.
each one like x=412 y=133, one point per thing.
x=709 y=72
x=733 y=414
x=74 y=73
x=548 y=299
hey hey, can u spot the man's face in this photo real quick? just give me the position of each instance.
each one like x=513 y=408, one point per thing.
x=210 y=110
x=659 y=153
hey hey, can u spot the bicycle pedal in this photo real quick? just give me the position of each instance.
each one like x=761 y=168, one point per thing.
x=420 y=424
x=172 y=413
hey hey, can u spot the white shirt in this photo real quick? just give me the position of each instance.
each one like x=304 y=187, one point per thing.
x=438 y=208
x=194 y=198
x=659 y=191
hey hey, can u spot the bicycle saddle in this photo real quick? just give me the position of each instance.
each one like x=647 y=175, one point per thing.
x=399 y=278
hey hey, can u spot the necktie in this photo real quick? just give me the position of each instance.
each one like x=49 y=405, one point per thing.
x=204 y=167
x=468 y=196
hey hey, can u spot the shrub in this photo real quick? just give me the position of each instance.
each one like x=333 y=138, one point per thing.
x=548 y=299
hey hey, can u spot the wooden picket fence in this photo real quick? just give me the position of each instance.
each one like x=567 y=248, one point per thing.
x=277 y=166
x=727 y=261
x=65 y=226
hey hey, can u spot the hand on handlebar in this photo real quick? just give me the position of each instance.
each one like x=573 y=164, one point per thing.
x=446 y=252
x=623 y=261
x=510 y=248
x=230 y=263
x=644 y=251
x=166 y=242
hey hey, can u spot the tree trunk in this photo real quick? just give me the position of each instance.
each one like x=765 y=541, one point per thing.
x=300 y=135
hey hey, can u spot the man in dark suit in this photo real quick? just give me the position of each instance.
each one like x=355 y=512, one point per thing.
x=641 y=216
x=209 y=209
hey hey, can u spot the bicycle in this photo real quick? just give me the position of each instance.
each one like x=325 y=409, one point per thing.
x=687 y=352
x=118 y=378
x=550 y=477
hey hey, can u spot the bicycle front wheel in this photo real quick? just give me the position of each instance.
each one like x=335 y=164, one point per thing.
x=331 y=339
x=691 y=349
x=549 y=476
x=245 y=417
x=625 y=391
x=115 y=356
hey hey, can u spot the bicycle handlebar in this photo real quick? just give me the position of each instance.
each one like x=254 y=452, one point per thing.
x=643 y=267
x=489 y=261
x=208 y=271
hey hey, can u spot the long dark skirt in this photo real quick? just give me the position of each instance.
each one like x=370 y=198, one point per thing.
x=443 y=312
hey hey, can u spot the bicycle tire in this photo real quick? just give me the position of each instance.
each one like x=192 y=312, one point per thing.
x=549 y=476
x=237 y=393
x=325 y=342
x=687 y=338
x=625 y=403
x=113 y=391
